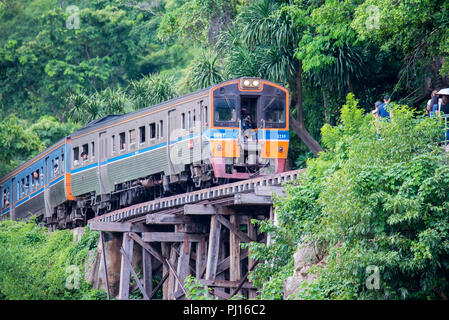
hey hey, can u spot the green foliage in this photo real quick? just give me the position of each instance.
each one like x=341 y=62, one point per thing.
x=37 y=265
x=50 y=130
x=17 y=142
x=374 y=197
x=195 y=290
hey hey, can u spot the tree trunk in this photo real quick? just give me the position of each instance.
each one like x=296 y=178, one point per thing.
x=298 y=124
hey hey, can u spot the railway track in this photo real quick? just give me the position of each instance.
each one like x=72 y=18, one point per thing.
x=231 y=193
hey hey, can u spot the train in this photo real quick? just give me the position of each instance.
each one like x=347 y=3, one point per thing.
x=234 y=130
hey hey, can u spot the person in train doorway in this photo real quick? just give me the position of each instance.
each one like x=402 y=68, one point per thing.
x=245 y=121
x=383 y=111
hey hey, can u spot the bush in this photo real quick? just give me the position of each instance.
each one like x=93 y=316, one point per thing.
x=377 y=196
x=38 y=265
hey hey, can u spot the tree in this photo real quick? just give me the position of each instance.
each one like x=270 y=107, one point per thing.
x=17 y=143
x=272 y=31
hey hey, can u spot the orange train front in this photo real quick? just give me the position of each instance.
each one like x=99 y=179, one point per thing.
x=249 y=131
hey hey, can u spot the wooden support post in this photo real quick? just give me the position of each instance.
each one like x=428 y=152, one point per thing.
x=183 y=268
x=105 y=265
x=234 y=251
x=214 y=246
x=252 y=233
x=171 y=277
x=165 y=247
x=125 y=271
x=147 y=268
x=201 y=256
x=139 y=284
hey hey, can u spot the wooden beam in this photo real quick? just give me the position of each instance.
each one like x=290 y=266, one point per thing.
x=234 y=250
x=252 y=233
x=176 y=276
x=158 y=286
x=116 y=226
x=183 y=268
x=190 y=228
x=201 y=256
x=125 y=272
x=220 y=293
x=251 y=198
x=223 y=265
x=171 y=277
x=147 y=269
x=167 y=218
x=165 y=248
x=226 y=284
x=170 y=237
x=269 y=191
x=105 y=265
x=147 y=247
x=136 y=278
x=199 y=209
x=243 y=237
x=214 y=246
x=242 y=282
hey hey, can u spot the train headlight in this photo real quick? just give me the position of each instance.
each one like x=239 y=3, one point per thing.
x=281 y=149
x=250 y=83
x=219 y=147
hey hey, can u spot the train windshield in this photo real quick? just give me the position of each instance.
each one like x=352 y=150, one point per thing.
x=274 y=111
x=225 y=111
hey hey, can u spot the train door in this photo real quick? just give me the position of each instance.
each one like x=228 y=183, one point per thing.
x=171 y=133
x=12 y=197
x=102 y=163
x=48 y=212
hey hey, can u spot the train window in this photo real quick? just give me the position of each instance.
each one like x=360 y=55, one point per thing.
x=27 y=186
x=193 y=118
x=142 y=137
x=183 y=120
x=42 y=175
x=113 y=144
x=274 y=110
x=152 y=130
x=36 y=178
x=85 y=153
x=22 y=187
x=62 y=163
x=205 y=115
x=93 y=149
x=56 y=167
x=189 y=120
x=132 y=136
x=224 y=109
x=161 y=128
x=5 y=198
x=122 y=141
x=76 y=155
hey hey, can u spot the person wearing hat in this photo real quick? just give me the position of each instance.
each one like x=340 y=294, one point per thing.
x=376 y=106
x=444 y=106
x=382 y=110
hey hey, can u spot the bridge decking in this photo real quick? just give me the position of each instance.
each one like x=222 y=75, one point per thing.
x=197 y=233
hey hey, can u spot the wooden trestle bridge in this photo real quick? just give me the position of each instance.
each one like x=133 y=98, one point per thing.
x=197 y=233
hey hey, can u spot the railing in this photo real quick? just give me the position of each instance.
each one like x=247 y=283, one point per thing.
x=444 y=124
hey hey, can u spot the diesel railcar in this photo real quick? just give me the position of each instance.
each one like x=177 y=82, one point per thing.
x=234 y=130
